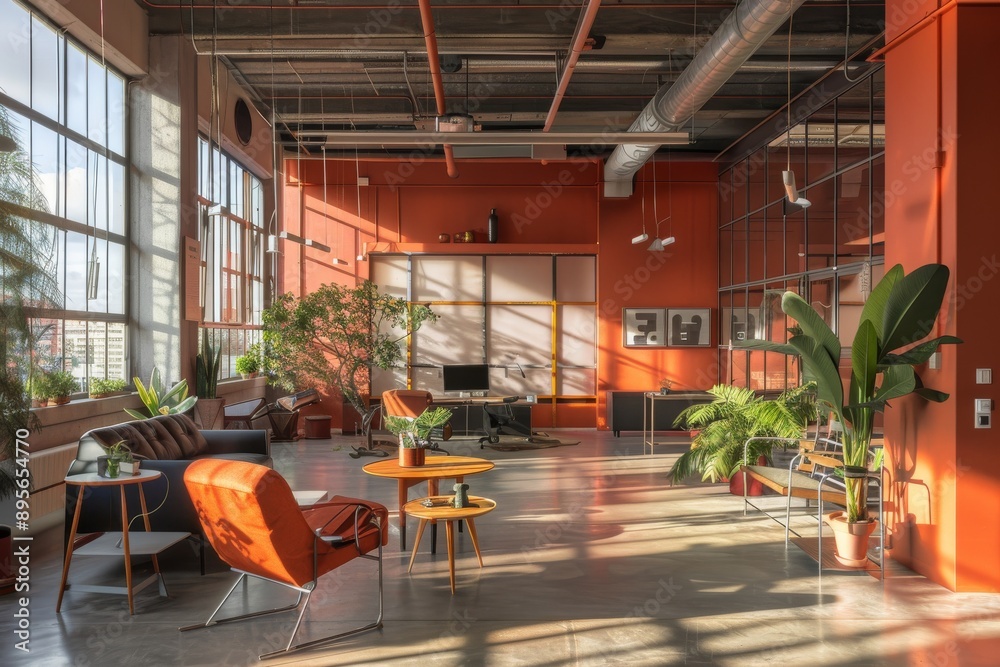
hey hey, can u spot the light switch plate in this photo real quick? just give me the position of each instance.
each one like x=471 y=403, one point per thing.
x=984 y=376
x=984 y=405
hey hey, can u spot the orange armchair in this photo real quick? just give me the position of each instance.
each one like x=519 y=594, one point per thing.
x=250 y=517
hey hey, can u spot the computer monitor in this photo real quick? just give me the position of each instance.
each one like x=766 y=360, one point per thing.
x=466 y=377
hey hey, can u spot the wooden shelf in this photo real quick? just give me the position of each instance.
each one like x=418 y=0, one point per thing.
x=390 y=248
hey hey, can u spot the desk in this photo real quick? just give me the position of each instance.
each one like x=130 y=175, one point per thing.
x=434 y=469
x=140 y=544
x=442 y=510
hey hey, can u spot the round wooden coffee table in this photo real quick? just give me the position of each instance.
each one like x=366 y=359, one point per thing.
x=441 y=509
x=434 y=469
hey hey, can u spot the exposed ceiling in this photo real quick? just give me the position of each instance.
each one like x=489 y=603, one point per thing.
x=331 y=66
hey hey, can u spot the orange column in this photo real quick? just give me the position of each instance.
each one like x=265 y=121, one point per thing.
x=941 y=151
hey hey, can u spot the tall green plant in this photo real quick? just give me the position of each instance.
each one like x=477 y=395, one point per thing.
x=336 y=335
x=27 y=256
x=736 y=415
x=159 y=400
x=207 y=367
x=901 y=311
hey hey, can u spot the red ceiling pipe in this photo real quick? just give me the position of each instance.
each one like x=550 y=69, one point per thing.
x=583 y=27
x=434 y=63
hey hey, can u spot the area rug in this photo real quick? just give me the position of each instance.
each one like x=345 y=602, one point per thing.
x=514 y=443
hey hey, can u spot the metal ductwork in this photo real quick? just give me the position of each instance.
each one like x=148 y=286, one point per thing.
x=743 y=32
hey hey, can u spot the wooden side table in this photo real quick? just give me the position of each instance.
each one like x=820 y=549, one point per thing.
x=119 y=544
x=434 y=469
x=441 y=509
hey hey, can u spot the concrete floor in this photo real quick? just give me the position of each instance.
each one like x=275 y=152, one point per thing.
x=591 y=558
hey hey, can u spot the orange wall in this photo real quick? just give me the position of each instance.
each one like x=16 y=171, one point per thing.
x=946 y=473
x=555 y=203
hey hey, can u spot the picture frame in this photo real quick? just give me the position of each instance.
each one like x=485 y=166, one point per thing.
x=644 y=327
x=689 y=327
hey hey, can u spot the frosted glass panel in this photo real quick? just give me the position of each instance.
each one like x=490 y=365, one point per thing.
x=518 y=279
x=508 y=382
x=577 y=335
x=576 y=279
x=384 y=380
x=447 y=278
x=521 y=334
x=577 y=382
x=389 y=273
x=456 y=338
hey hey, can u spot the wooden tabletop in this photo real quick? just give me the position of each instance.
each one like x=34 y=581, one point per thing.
x=93 y=479
x=434 y=467
x=443 y=510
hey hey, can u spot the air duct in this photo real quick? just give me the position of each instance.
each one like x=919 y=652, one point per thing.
x=743 y=32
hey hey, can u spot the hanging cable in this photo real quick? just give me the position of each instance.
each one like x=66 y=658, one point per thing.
x=847 y=42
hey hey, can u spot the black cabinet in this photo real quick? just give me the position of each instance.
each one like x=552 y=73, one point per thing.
x=625 y=409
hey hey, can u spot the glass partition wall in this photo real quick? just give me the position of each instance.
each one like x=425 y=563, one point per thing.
x=531 y=318
x=831 y=252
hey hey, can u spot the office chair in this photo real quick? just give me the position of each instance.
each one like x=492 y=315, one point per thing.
x=404 y=403
x=498 y=419
x=251 y=518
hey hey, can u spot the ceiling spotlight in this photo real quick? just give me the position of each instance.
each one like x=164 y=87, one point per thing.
x=658 y=244
x=272 y=244
x=788 y=178
x=640 y=238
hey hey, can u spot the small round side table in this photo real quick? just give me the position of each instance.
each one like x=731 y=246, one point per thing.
x=441 y=509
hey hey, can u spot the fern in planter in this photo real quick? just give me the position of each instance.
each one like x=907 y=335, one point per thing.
x=736 y=415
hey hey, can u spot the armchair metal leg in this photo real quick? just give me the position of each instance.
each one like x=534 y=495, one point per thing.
x=242 y=578
x=375 y=625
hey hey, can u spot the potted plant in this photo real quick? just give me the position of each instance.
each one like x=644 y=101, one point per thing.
x=38 y=387
x=207 y=367
x=60 y=384
x=335 y=336
x=102 y=387
x=117 y=459
x=900 y=312
x=734 y=416
x=158 y=400
x=248 y=365
x=414 y=432
x=666 y=384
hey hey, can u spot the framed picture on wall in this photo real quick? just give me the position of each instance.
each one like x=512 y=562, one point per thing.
x=689 y=327
x=644 y=327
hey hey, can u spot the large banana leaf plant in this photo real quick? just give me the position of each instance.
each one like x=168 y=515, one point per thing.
x=901 y=310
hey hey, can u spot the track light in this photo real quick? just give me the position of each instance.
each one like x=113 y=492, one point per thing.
x=788 y=178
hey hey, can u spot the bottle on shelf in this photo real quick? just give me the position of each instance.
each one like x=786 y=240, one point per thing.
x=492 y=226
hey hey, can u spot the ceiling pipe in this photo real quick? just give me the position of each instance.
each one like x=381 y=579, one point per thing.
x=186 y=5
x=583 y=26
x=434 y=63
x=743 y=32
x=534 y=137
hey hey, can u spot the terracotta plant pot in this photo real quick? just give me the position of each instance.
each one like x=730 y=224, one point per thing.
x=851 y=539
x=411 y=457
x=59 y=400
x=756 y=488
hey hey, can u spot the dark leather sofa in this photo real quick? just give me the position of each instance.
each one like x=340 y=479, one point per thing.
x=168 y=443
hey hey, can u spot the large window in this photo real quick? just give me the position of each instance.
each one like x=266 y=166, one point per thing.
x=231 y=202
x=831 y=253
x=67 y=111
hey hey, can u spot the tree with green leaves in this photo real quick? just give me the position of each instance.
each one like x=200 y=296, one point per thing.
x=27 y=256
x=335 y=335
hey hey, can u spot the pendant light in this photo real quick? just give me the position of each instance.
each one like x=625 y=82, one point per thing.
x=659 y=244
x=788 y=176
